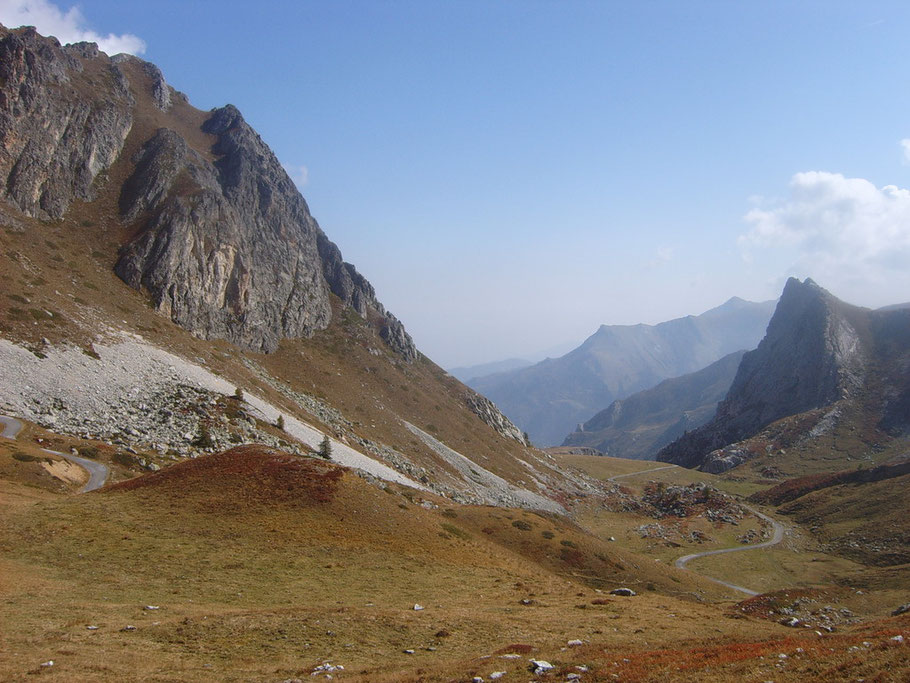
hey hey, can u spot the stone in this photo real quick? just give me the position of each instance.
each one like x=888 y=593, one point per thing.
x=418 y=608
x=496 y=675
x=627 y=592
x=903 y=609
x=575 y=643
x=792 y=622
x=540 y=666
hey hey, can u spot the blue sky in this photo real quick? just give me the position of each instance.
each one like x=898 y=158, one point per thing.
x=510 y=175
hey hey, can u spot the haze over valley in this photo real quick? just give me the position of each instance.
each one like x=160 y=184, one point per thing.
x=228 y=453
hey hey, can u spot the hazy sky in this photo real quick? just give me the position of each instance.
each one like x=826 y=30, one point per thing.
x=510 y=175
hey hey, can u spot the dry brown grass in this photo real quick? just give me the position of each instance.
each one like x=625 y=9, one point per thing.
x=261 y=577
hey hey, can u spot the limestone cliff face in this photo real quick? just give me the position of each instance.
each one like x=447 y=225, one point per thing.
x=812 y=355
x=55 y=136
x=222 y=240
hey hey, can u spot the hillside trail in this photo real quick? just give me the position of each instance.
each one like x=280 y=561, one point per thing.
x=97 y=472
x=681 y=562
x=634 y=474
x=775 y=539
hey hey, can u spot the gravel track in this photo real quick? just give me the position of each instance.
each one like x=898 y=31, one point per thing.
x=97 y=472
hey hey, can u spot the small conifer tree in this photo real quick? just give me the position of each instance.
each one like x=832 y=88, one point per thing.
x=280 y=422
x=238 y=394
x=325 y=448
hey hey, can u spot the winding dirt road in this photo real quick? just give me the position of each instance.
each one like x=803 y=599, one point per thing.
x=97 y=472
x=635 y=474
x=775 y=539
x=681 y=562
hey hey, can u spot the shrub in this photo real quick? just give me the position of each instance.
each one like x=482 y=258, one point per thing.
x=280 y=422
x=203 y=437
x=455 y=531
x=238 y=394
x=25 y=457
x=325 y=448
x=521 y=524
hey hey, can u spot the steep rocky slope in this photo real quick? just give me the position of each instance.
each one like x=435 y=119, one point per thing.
x=137 y=227
x=222 y=240
x=640 y=425
x=549 y=399
x=819 y=352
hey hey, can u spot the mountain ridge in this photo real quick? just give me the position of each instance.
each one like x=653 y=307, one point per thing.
x=550 y=398
x=640 y=425
x=221 y=238
x=819 y=352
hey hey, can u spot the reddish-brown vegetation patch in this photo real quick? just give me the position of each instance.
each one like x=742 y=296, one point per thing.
x=800 y=486
x=826 y=658
x=768 y=605
x=244 y=475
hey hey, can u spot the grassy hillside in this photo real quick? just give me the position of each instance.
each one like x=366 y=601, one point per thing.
x=257 y=565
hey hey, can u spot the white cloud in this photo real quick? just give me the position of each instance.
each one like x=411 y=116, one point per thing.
x=67 y=27
x=842 y=231
x=905 y=145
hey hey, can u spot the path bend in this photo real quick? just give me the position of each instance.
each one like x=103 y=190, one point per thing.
x=775 y=539
x=97 y=472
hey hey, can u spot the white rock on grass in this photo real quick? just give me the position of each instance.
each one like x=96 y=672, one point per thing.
x=541 y=666
x=627 y=592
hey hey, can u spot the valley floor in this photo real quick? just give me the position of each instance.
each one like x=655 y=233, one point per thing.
x=224 y=570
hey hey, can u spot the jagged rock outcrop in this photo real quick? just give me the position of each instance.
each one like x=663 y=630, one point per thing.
x=487 y=411
x=812 y=355
x=161 y=92
x=56 y=137
x=223 y=241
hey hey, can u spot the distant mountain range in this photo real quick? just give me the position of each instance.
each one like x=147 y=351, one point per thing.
x=640 y=425
x=549 y=399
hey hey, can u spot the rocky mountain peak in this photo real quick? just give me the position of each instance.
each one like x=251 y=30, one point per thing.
x=223 y=241
x=812 y=355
